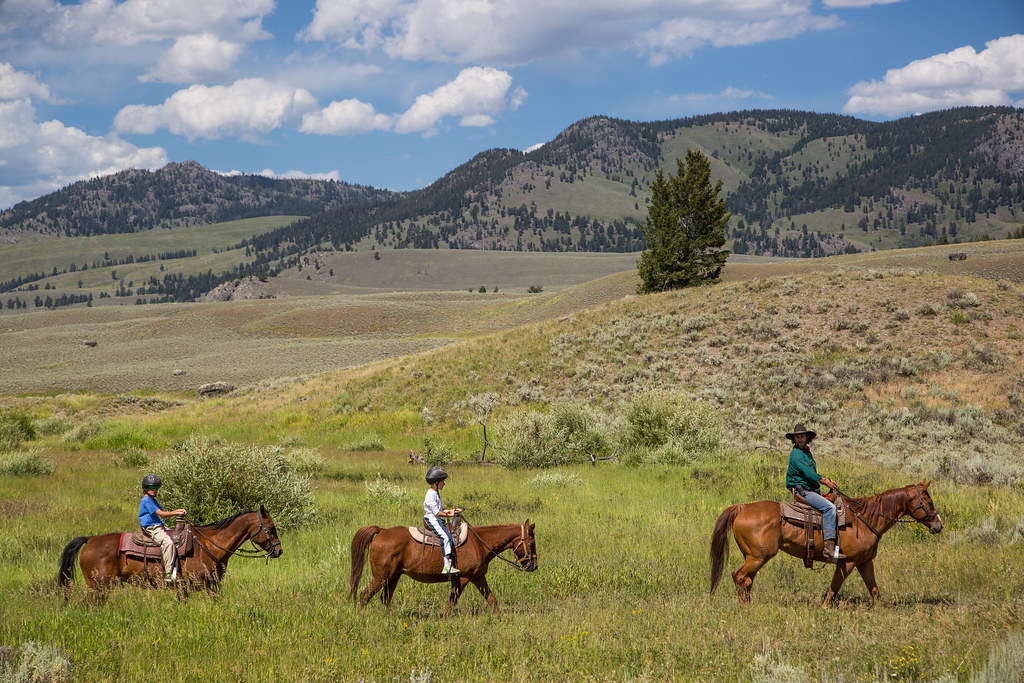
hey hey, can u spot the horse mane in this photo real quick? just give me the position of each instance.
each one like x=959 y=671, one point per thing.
x=886 y=504
x=225 y=522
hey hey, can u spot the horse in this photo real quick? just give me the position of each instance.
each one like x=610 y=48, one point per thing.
x=393 y=552
x=760 y=533
x=103 y=565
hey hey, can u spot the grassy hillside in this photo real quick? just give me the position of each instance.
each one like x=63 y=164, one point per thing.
x=906 y=371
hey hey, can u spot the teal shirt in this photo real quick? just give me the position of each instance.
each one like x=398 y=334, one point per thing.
x=802 y=471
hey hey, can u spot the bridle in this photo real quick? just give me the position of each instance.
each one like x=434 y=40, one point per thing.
x=522 y=541
x=267 y=552
x=929 y=517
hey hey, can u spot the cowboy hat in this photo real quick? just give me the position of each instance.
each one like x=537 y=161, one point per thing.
x=799 y=429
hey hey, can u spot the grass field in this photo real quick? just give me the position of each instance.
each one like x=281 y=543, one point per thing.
x=907 y=368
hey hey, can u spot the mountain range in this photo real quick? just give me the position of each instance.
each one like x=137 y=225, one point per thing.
x=796 y=183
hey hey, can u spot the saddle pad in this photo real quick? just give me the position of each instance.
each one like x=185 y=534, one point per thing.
x=797 y=512
x=131 y=546
x=423 y=535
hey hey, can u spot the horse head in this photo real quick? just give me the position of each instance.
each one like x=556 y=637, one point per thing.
x=266 y=537
x=525 y=548
x=922 y=509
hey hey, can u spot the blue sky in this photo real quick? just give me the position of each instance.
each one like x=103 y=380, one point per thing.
x=396 y=93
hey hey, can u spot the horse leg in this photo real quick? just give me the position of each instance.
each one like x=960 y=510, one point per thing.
x=485 y=590
x=389 y=588
x=743 y=577
x=867 y=572
x=375 y=585
x=457 y=586
x=843 y=570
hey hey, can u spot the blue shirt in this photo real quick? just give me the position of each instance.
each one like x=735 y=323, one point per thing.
x=147 y=512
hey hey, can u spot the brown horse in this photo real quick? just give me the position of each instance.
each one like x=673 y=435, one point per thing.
x=213 y=545
x=393 y=552
x=761 y=533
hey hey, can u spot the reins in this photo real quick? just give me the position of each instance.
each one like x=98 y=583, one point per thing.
x=897 y=520
x=522 y=540
x=240 y=552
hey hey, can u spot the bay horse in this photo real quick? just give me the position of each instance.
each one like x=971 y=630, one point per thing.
x=761 y=534
x=103 y=566
x=393 y=552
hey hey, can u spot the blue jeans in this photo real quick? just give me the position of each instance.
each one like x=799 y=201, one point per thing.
x=827 y=510
x=446 y=538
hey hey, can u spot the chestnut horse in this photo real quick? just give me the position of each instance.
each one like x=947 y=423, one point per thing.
x=761 y=533
x=213 y=545
x=393 y=552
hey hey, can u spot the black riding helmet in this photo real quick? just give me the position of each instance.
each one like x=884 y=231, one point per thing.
x=436 y=474
x=151 y=481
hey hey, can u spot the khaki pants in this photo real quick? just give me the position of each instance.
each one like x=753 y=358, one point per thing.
x=159 y=534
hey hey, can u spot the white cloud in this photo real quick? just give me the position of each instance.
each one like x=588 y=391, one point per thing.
x=195 y=59
x=106 y=22
x=16 y=84
x=300 y=175
x=247 y=108
x=725 y=95
x=498 y=31
x=347 y=117
x=958 y=78
x=476 y=95
x=42 y=157
x=856 y=4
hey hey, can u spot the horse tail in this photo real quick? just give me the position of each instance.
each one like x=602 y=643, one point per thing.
x=720 y=543
x=66 y=575
x=360 y=546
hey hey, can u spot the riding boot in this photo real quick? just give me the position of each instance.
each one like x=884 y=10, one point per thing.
x=449 y=565
x=832 y=552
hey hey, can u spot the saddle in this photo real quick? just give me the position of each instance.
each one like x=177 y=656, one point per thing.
x=422 y=534
x=799 y=512
x=138 y=545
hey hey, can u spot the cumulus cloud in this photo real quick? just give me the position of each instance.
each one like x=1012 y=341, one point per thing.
x=476 y=95
x=729 y=94
x=42 y=157
x=16 y=84
x=347 y=117
x=498 y=31
x=962 y=77
x=105 y=22
x=195 y=59
x=247 y=108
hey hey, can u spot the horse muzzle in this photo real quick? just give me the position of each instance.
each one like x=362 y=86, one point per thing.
x=936 y=526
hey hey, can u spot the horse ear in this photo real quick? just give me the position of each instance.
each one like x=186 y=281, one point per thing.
x=263 y=510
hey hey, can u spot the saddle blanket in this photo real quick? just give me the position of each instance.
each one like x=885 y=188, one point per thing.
x=797 y=512
x=421 y=534
x=137 y=544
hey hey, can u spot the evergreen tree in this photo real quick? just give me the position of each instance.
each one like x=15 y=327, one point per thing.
x=685 y=228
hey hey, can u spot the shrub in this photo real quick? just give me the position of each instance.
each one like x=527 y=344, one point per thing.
x=671 y=427
x=1005 y=661
x=367 y=443
x=55 y=424
x=15 y=427
x=43 y=663
x=926 y=309
x=215 y=480
x=133 y=457
x=528 y=438
x=436 y=454
x=381 y=492
x=534 y=289
x=75 y=438
x=25 y=464
x=121 y=438
x=305 y=461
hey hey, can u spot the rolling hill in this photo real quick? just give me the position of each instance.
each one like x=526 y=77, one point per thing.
x=798 y=184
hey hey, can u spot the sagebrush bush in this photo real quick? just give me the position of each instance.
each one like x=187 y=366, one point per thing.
x=15 y=428
x=121 y=438
x=76 y=436
x=26 y=464
x=436 y=453
x=34 y=663
x=380 y=492
x=555 y=480
x=305 y=461
x=671 y=427
x=528 y=438
x=367 y=443
x=214 y=480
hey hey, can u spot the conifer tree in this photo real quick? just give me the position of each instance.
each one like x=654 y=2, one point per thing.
x=685 y=228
